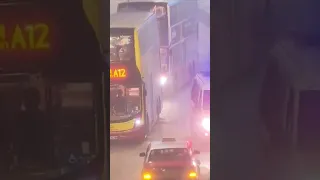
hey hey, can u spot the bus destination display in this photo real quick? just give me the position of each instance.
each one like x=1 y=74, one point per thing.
x=118 y=73
x=24 y=37
x=27 y=36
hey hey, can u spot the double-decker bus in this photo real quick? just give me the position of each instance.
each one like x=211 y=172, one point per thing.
x=135 y=90
x=51 y=100
x=178 y=28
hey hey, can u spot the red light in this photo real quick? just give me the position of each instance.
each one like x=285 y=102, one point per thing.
x=189 y=144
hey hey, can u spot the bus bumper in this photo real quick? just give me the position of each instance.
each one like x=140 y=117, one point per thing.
x=134 y=134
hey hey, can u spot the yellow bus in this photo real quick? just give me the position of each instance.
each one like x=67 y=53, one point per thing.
x=134 y=75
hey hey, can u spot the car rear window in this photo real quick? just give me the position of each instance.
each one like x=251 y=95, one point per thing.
x=171 y=154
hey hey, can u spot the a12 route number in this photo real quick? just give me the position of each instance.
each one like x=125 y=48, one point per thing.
x=27 y=37
x=118 y=73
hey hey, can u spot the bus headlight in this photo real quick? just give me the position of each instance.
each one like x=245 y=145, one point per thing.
x=137 y=122
x=163 y=80
x=206 y=124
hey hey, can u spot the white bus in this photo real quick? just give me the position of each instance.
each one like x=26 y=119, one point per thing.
x=178 y=26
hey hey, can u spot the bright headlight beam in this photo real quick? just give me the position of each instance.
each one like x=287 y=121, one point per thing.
x=206 y=124
x=163 y=80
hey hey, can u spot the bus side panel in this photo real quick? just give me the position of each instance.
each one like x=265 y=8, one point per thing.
x=155 y=65
x=149 y=48
x=141 y=38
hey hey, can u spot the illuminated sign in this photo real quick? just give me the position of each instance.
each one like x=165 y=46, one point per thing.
x=29 y=34
x=25 y=37
x=118 y=73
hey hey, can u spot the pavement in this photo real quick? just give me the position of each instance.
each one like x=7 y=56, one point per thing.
x=174 y=122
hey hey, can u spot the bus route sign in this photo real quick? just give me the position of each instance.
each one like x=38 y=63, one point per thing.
x=118 y=73
x=29 y=34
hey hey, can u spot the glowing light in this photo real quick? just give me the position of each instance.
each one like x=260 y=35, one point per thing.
x=147 y=176
x=206 y=124
x=137 y=122
x=116 y=73
x=163 y=80
x=194 y=163
x=192 y=174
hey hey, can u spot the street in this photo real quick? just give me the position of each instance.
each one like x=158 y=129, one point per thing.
x=174 y=122
x=124 y=158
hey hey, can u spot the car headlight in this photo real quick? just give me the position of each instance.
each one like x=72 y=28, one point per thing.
x=206 y=124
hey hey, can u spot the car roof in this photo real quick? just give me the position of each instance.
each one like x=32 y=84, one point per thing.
x=167 y=145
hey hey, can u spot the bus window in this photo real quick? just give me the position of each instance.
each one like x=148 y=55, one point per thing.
x=121 y=48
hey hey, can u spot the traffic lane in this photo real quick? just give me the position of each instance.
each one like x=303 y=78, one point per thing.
x=125 y=162
x=175 y=122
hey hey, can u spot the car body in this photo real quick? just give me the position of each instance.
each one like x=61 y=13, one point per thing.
x=170 y=159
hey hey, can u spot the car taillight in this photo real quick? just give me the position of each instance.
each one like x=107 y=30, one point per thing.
x=146 y=176
x=189 y=144
x=192 y=174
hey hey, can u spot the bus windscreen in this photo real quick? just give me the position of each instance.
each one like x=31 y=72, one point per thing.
x=160 y=9
x=121 y=48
